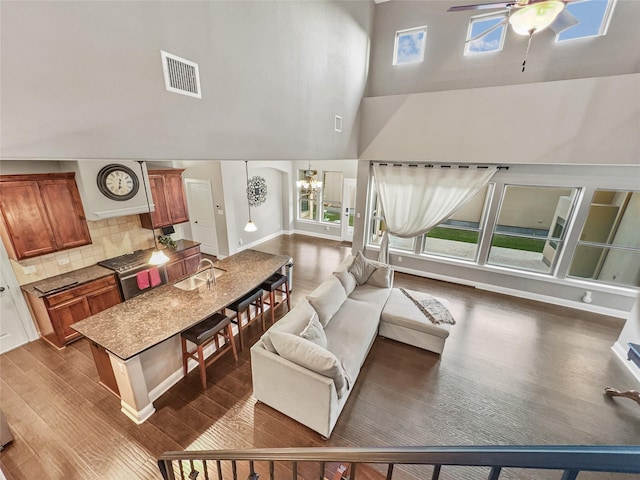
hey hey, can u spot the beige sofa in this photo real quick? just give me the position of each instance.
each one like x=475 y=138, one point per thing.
x=307 y=371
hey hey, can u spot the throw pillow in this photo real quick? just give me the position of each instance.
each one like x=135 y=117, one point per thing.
x=311 y=356
x=381 y=277
x=361 y=268
x=327 y=299
x=347 y=280
x=293 y=322
x=314 y=332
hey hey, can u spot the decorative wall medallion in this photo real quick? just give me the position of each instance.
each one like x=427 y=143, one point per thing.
x=256 y=191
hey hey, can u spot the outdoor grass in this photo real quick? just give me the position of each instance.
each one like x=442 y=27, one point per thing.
x=504 y=241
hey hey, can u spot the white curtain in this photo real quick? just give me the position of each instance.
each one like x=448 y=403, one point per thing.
x=415 y=199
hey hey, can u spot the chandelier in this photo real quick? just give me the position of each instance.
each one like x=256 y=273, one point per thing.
x=310 y=182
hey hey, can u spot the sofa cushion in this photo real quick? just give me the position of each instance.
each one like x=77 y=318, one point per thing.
x=361 y=268
x=401 y=311
x=327 y=299
x=309 y=355
x=375 y=296
x=381 y=277
x=347 y=280
x=314 y=332
x=352 y=332
x=293 y=322
x=345 y=264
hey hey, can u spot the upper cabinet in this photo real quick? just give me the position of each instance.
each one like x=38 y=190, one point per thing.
x=40 y=214
x=169 y=199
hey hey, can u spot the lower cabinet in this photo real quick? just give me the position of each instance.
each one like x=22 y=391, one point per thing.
x=103 y=365
x=56 y=313
x=183 y=263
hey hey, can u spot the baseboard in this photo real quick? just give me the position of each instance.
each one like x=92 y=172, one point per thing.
x=262 y=240
x=337 y=238
x=518 y=293
x=619 y=351
x=136 y=416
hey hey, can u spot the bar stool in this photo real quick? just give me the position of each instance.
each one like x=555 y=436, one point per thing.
x=253 y=299
x=202 y=334
x=275 y=284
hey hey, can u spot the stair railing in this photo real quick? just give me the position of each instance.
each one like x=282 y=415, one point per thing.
x=570 y=460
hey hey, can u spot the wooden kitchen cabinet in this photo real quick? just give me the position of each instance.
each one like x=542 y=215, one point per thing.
x=183 y=263
x=40 y=214
x=55 y=313
x=169 y=199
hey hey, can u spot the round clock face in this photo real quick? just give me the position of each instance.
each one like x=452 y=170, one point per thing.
x=118 y=182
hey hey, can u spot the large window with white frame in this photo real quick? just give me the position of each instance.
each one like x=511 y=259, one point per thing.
x=307 y=195
x=319 y=201
x=459 y=236
x=609 y=247
x=531 y=227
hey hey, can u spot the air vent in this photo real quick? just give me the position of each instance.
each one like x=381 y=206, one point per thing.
x=180 y=75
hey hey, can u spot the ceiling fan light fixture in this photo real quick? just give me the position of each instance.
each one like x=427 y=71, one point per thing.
x=535 y=16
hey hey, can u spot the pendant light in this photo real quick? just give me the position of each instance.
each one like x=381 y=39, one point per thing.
x=250 y=226
x=158 y=257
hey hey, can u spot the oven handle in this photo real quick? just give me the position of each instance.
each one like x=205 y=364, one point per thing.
x=122 y=279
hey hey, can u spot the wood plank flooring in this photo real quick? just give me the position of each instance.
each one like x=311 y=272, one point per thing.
x=513 y=372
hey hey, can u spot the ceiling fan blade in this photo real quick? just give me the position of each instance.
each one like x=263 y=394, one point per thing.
x=564 y=21
x=482 y=6
x=488 y=31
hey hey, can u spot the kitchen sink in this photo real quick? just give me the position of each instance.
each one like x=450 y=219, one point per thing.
x=198 y=280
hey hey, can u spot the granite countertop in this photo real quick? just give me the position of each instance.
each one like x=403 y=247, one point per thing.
x=67 y=280
x=131 y=327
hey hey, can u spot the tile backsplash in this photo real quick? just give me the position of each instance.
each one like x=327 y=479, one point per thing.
x=111 y=237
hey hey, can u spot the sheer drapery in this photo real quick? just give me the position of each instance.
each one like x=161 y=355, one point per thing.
x=415 y=199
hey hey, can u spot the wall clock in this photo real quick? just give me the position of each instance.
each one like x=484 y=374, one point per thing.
x=256 y=191
x=118 y=182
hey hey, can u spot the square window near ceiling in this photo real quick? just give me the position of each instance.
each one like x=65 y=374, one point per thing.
x=409 y=46
x=593 y=16
x=493 y=41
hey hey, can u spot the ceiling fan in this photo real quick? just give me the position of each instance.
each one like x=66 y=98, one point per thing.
x=527 y=17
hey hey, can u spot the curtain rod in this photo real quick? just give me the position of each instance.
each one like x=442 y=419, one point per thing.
x=431 y=165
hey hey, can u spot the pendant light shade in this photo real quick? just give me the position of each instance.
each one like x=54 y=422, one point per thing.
x=158 y=257
x=250 y=226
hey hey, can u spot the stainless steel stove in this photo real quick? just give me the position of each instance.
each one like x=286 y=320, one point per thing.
x=127 y=268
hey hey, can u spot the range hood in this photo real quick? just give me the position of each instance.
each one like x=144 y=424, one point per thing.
x=96 y=205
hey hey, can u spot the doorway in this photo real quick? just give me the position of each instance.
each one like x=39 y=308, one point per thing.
x=201 y=214
x=16 y=326
x=348 y=208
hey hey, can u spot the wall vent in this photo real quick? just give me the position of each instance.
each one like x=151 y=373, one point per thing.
x=180 y=75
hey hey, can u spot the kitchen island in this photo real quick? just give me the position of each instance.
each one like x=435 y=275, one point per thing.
x=142 y=336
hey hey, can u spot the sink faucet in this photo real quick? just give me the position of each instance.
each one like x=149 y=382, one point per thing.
x=210 y=272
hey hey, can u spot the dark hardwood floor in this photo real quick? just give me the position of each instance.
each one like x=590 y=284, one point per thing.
x=513 y=372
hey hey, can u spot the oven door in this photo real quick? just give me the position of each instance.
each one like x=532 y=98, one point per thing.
x=129 y=282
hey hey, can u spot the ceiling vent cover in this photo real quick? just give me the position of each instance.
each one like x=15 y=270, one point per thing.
x=180 y=75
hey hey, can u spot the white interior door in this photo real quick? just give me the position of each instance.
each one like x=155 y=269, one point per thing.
x=348 y=208
x=13 y=318
x=201 y=215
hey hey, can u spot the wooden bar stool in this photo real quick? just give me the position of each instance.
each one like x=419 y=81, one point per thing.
x=202 y=334
x=276 y=283
x=253 y=299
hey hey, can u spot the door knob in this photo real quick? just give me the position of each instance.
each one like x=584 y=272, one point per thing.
x=196 y=221
x=1 y=289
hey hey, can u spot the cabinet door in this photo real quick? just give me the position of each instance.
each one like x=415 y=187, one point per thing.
x=103 y=365
x=175 y=270
x=66 y=314
x=160 y=215
x=64 y=208
x=104 y=298
x=25 y=219
x=176 y=200
x=191 y=263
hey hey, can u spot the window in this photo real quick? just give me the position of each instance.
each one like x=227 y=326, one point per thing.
x=459 y=236
x=409 y=46
x=609 y=247
x=492 y=40
x=332 y=197
x=308 y=195
x=593 y=16
x=530 y=229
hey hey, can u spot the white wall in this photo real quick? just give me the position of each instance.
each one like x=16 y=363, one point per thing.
x=84 y=79
x=630 y=334
x=584 y=121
